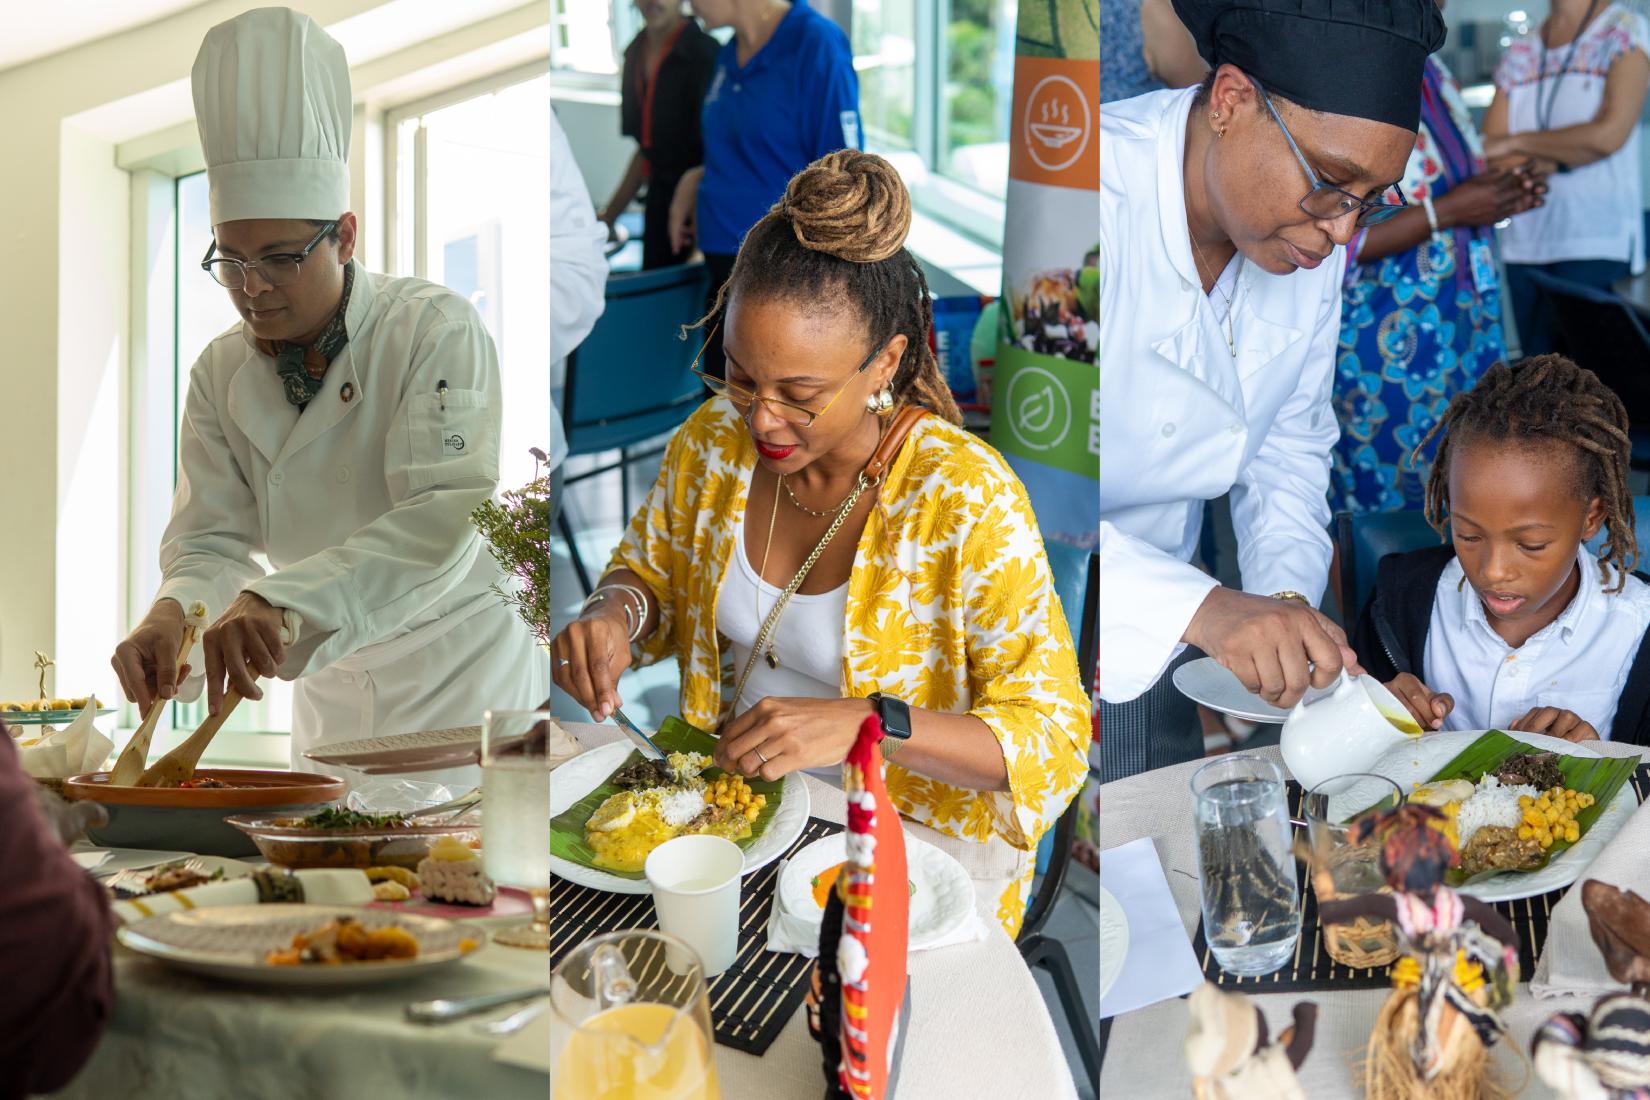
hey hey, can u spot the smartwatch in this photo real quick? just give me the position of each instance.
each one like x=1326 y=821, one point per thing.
x=896 y=721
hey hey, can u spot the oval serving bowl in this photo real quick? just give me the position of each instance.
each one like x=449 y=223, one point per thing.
x=192 y=819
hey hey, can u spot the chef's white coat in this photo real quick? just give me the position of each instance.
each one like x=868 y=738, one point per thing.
x=1182 y=422
x=361 y=505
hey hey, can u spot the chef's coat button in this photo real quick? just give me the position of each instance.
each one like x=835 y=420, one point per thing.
x=1168 y=430
x=276 y=477
x=1237 y=429
x=343 y=474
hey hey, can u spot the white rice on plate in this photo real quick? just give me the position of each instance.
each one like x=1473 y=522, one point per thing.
x=1493 y=803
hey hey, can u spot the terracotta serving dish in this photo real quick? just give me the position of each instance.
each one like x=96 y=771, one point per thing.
x=192 y=820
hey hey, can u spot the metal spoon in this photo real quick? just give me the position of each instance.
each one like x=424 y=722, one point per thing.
x=513 y=1022
x=442 y=1009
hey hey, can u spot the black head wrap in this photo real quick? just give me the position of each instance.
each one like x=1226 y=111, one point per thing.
x=1361 y=58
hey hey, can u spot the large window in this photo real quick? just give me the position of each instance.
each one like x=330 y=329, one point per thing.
x=885 y=56
x=978 y=90
x=473 y=176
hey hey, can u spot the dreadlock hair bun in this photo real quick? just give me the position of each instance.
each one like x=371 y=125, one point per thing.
x=850 y=205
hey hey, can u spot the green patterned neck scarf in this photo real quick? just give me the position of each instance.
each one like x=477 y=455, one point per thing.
x=302 y=366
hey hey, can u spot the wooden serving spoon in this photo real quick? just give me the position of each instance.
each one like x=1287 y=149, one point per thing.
x=129 y=768
x=178 y=766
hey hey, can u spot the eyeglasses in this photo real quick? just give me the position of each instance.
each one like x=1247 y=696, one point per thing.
x=276 y=269
x=1325 y=200
x=743 y=399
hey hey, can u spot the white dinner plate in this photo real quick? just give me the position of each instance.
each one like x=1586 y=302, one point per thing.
x=587 y=771
x=1114 y=940
x=1419 y=760
x=1211 y=683
x=941 y=902
x=231 y=942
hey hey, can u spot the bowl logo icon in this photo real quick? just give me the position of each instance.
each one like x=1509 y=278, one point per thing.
x=1058 y=123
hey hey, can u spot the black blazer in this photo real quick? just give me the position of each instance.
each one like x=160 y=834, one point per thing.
x=684 y=78
x=1391 y=636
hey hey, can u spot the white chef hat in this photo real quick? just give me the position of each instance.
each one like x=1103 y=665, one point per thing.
x=272 y=103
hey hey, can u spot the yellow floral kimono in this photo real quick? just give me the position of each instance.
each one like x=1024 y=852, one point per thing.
x=956 y=613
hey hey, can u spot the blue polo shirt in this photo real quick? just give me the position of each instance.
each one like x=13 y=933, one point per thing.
x=797 y=100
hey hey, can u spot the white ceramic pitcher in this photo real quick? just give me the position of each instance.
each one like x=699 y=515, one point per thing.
x=1345 y=731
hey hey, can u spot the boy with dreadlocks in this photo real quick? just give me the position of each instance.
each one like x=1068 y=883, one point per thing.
x=1515 y=624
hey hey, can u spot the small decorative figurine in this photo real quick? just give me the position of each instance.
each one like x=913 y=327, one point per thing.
x=1605 y=1055
x=1227 y=1048
x=1457 y=968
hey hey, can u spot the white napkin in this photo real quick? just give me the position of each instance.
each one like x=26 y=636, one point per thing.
x=792 y=934
x=1160 y=963
x=73 y=750
x=562 y=746
x=1570 y=962
x=321 y=887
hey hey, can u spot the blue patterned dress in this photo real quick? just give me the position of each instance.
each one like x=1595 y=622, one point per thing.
x=1415 y=327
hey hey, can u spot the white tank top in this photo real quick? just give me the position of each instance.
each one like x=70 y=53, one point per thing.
x=807 y=641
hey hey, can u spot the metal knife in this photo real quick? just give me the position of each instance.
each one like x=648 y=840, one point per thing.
x=640 y=739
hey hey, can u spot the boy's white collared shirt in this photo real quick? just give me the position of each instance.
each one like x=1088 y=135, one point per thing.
x=1579 y=662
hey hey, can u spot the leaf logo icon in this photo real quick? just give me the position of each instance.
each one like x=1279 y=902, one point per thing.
x=1037 y=410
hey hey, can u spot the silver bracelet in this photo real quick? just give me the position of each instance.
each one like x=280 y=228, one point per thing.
x=1432 y=214
x=634 y=617
x=624 y=605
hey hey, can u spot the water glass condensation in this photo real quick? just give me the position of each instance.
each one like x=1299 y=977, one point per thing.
x=1246 y=865
x=515 y=814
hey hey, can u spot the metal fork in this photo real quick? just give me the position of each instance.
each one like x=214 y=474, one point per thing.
x=129 y=883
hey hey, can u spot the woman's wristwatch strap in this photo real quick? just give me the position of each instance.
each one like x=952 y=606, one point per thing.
x=895 y=715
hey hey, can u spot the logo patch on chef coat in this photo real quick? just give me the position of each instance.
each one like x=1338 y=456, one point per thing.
x=452 y=444
x=346 y=392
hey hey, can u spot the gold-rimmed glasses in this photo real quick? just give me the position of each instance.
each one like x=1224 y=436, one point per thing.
x=743 y=400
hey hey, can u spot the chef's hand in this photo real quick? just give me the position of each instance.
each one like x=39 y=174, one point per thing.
x=778 y=736
x=146 y=661
x=1555 y=723
x=1269 y=643
x=587 y=657
x=247 y=634
x=1488 y=198
x=1429 y=708
x=684 y=210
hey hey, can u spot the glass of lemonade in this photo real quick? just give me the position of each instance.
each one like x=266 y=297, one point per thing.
x=630 y=1020
x=515 y=815
x=1246 y=865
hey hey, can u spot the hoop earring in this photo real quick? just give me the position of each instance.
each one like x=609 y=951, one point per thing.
x=881 y=403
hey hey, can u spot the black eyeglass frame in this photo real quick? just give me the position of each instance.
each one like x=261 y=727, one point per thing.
x=1372 y=211
x=298 y=258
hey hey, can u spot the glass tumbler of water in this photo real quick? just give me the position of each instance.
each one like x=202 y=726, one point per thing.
x=515 y=815
x=1246 y=865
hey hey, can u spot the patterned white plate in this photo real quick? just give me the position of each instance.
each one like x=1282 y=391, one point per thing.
x=1114 y=940
x=1419 y=760
x=231 y=942
x=941 y=903
x=584 y=773
x=1211 y=683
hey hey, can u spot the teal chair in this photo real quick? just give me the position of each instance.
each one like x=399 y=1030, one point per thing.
x=1361 y=541
x=1641 y=531
x=630 y=381
x=1077 y=583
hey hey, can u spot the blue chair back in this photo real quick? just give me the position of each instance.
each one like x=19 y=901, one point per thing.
x=1077 y=583
x=1362 y=540
x=631 y=379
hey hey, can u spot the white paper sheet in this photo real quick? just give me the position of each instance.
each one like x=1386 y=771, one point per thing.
x=1160 y=962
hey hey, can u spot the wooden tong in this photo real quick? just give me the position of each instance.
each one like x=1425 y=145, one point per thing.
x=129 y=768
x=178 y=766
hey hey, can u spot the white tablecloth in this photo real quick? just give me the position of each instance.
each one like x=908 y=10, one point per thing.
x=1145 y=1057
x=980 y=1026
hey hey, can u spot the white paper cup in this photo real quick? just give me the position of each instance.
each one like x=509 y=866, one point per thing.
x=695 y=883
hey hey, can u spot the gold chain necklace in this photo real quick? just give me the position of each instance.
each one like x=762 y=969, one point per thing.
x=827 y=514
x=1231 y=332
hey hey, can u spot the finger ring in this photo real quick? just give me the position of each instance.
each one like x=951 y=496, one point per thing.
x=759 y=755
x=562 y=662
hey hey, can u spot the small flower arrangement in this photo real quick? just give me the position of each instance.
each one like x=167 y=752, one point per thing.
x=518 y=535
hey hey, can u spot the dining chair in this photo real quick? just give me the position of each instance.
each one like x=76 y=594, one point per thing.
x=1362 y=540
x=1077 y=583
x=1641 y=531
x=631 y=380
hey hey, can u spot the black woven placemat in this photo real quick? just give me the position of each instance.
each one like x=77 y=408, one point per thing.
x=751 y=1001
x=1312 y=968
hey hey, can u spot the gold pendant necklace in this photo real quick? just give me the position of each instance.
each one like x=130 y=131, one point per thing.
x=1231 y=332
x=783 y=484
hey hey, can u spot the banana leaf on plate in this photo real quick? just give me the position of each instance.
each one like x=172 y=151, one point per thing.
x=567 y=828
